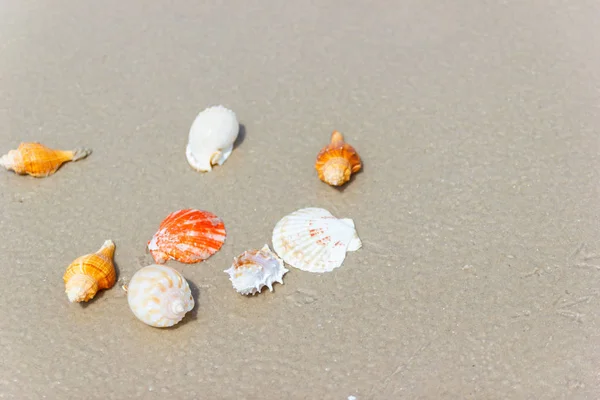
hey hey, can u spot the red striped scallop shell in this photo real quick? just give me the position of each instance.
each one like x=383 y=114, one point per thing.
x=188 y=236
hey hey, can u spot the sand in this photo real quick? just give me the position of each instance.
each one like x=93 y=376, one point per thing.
x=478 y=204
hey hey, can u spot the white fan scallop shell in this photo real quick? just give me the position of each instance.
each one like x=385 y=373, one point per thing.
x=312 y=239
x=254 y=269
x=211 y=138
x=159 y=296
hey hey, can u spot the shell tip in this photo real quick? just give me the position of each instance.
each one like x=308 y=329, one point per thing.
x=337 y=137
x=81 y=153
x=108 y=248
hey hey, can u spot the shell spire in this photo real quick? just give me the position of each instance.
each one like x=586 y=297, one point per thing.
x=337 y=161
x=39 y=161
x=89 y=273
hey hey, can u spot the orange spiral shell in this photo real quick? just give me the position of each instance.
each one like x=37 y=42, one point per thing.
x=89 y=273
x=39 y=161
x=337 y=161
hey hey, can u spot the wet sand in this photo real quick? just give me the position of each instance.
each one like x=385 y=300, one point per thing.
x=478 y=205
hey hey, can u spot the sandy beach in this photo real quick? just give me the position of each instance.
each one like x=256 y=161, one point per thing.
x=478 y=205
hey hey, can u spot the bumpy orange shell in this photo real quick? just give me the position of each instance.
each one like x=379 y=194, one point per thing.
x=188 y=236
x=90 y=273
x=337 y=161
x=38 y=160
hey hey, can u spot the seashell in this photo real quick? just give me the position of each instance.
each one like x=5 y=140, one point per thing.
x=37 y=160
x=159 y=296
x=337 y=161
x=254 y=269
x=188 y=236
x=90 y=273
x=211 y=138
x=312 y=239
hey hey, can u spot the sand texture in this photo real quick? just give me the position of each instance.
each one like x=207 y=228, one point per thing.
x=478 y=205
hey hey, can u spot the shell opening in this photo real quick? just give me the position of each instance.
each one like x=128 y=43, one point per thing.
x=196 y=162
x=81 y=288
x=216 y=158
x=337 y=171
x=75 y=294
x=7 y=160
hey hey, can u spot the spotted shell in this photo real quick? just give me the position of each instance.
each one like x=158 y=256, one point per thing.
x=188 y=236
x=337 y=161
x=312 y=239
x=159 y=296
x=254 y=269
x=39 y=161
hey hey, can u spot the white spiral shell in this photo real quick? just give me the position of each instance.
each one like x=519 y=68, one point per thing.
x=254 y=269
x=211 y=138
x=312 y=239
x=159 y=296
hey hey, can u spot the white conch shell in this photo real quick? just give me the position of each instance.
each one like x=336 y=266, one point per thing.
x=211 y=138
x=159 y=296
x=254 y=269
x=312 y=239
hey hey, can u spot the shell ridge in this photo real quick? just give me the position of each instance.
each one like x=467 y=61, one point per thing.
x=313 y=239
x=189 y=236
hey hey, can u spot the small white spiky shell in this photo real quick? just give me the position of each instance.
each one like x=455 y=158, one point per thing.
x=211 y=138
x=254 y=269
x=312 y=239
x=159 y=296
